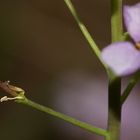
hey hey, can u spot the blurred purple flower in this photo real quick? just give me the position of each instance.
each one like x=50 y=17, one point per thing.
x=132 y=21
x=124 y=57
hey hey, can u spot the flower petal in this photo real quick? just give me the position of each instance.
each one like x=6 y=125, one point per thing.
x=132 y=21
x=122 y=57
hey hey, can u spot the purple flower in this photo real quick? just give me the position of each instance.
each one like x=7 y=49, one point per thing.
x=132 y=21
x=124 y=57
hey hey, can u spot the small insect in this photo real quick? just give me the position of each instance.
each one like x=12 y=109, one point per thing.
x=16 y=92
x=16 y=89
x=13 y=90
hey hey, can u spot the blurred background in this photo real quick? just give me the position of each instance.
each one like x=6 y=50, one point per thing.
x=43 y=51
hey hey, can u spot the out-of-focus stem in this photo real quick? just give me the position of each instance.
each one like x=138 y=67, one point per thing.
x=130 y=86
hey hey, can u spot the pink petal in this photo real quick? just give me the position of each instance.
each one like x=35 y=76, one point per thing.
x=132 y=21
x=122 y=57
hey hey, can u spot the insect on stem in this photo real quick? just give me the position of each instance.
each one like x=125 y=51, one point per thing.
x=12 y=90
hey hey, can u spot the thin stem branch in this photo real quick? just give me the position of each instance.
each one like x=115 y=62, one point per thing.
x=130 y=86
x=84 y=30
x=64 y=117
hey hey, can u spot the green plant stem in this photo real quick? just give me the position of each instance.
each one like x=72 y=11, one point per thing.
x=84 y=31
x=114 y=111
x=129 y=87
x=64 y=117
x=116 y=20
